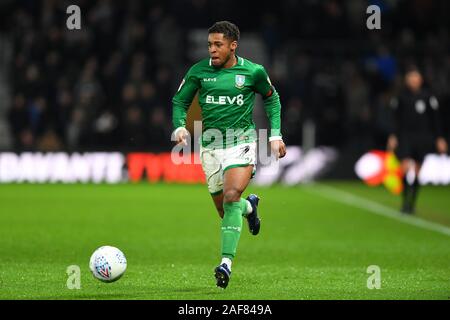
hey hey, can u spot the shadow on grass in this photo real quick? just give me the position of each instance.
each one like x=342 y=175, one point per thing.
x=207 y=290
x=151 y=294
x=91 y=296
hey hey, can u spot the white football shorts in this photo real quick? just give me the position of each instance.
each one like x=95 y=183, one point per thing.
x=216 y=161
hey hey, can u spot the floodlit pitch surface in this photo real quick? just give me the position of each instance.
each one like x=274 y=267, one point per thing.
x=316 y=242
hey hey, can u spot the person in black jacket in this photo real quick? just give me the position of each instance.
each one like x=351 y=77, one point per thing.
x=416 y=132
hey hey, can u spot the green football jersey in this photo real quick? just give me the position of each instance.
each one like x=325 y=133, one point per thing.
x=226 y=98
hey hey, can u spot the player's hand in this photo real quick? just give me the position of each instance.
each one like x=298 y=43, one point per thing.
x=181 y=135
x=392 y=143
x=278 y=148
x=441 y=145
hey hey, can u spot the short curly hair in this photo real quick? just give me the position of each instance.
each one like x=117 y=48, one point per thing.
x=229 y=30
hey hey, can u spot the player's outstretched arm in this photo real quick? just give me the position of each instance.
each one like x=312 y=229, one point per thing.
x=180 y=105
x=441 y=143
x=272 y=106
x=395 y=105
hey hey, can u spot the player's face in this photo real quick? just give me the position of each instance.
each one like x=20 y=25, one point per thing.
x=413 y=80
x=220 y=49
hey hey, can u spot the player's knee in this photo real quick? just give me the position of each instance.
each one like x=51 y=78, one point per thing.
x=231 y=195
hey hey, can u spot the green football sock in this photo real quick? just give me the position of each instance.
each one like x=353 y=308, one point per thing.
x=231 y=227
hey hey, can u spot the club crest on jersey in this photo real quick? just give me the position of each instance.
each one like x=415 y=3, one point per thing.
x=239 y=81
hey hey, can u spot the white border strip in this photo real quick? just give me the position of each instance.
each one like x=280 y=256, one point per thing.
x=373 y=207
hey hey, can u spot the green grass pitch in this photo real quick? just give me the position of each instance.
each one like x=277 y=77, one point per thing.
x=311 y=245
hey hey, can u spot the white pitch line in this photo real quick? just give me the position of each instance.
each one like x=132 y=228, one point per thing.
x=371 y=206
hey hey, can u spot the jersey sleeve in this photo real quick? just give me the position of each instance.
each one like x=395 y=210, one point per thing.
x=396 y=106
x=183 y=98
x=272 y=104
x=434 y=115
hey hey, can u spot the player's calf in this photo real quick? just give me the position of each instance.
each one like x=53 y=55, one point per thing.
x=232 y=195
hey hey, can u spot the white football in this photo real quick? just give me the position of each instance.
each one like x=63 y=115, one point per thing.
x=108 y=264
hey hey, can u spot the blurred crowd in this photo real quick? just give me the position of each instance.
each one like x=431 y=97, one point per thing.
x=110 y=84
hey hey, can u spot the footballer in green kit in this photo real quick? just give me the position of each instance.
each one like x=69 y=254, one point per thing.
x=227 y=84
